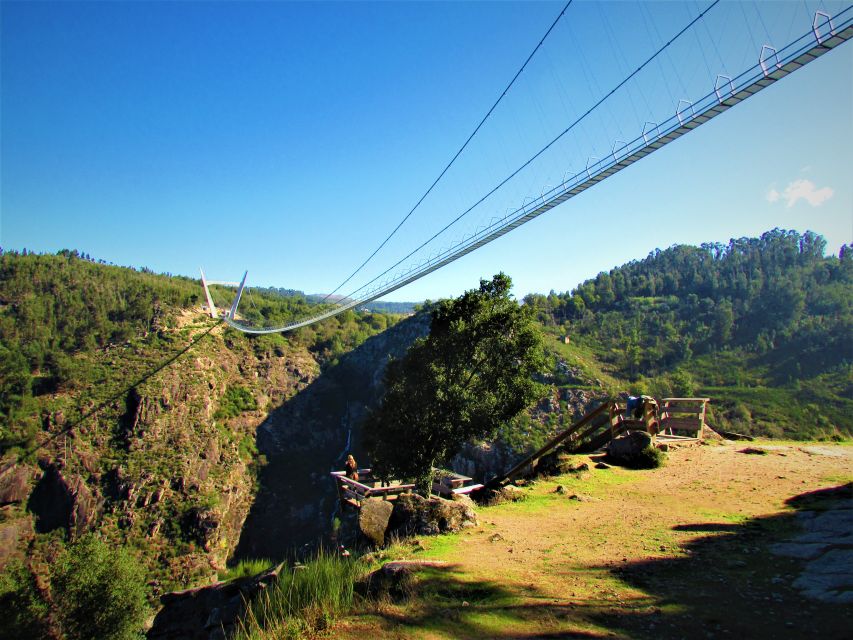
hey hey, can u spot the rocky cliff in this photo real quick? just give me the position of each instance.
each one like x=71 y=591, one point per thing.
x=170 y=467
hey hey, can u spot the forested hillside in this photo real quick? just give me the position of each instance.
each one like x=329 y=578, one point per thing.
x=58 y=312
x=762 y=325
x=165 y=466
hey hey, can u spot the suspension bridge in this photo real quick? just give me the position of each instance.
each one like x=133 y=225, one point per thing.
x=772 y=64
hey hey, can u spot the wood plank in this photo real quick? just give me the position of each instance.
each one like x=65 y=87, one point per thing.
x=461 y=491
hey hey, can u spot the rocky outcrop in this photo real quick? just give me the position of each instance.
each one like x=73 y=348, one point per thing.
x=394 y=579
x=15 y=483
x=373 y=518
x=60 y=501
x=626 y=449
x=208 y=613
x=14 y=534
x=415 y=515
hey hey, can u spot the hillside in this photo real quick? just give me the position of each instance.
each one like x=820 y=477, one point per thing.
x=763 y=326
x=126 y=410
x=168 y=464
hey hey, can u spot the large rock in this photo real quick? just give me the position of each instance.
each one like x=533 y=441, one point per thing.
x=15 y=484
x=207 y=613
x=624 y=449
x=13 y=537
x=415 y=515
x=60 y=501
x=394 y=579
x=373 y=518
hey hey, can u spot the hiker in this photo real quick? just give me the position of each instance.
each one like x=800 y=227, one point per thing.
x=352 y=468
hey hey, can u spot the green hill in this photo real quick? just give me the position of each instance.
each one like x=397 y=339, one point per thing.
x=763 y=326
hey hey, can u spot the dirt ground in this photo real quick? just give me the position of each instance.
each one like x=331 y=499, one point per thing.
x=683 y=551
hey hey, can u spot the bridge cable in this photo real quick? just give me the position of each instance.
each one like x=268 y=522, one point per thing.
x=458 y=153
x=545 y=148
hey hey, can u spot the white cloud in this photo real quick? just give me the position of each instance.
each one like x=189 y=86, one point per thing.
x=772 y=195
x=805 y=190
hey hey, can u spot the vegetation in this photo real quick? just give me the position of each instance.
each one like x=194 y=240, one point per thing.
x=236 y=400
x=305 y=599
x=648 y=458
x=473 y=373
x=246 y=568
x=98 y=591
x=58 y=311
x=24 y=610
x=730 y=321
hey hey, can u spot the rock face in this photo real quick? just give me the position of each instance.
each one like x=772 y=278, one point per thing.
x=15 y=484
x=623 y=449
x=373 y=519
x=310 y=435
x=64 y=502
x=484 y=461
x=11 y=532
x=415 y=515
x=207 y=613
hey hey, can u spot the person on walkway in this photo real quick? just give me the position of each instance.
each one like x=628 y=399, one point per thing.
x=352 y=468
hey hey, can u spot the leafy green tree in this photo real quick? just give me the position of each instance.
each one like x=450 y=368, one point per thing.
x=24 y=611
x=473 y=373
x=99 y=592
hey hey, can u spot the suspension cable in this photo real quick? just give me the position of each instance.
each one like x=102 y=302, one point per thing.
x=453 y=159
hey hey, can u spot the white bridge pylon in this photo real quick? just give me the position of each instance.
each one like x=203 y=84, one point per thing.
x=212 y=307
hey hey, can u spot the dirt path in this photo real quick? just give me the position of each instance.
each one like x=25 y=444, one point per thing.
x=680 y=551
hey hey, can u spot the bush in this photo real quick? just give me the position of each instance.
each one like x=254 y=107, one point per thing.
x=24 y=611
x=683 y=385
x=99 y=591
x=235 y=401
x=648 y=458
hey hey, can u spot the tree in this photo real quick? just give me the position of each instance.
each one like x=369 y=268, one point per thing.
x=473 y=373
x=99 y=592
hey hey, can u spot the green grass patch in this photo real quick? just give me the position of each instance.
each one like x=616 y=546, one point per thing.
x=304 y=600
x=246 y=568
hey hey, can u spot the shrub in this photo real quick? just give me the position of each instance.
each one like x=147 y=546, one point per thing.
x=683 y=385
x=24 y=611
x=235 y=401
x=648 y=458
x=99 y=591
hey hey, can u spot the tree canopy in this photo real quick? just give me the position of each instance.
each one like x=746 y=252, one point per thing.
x=473 y=373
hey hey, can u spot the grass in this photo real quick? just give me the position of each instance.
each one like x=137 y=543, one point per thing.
x=304 y=600
x=246 y=568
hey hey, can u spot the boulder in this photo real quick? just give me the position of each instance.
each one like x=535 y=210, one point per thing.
x=624 y=449
x=15 y=484
x=373 y=518
x=207 y=613
x=14 y=534
x=395 y=579
x=415 y=515
x=60 y=501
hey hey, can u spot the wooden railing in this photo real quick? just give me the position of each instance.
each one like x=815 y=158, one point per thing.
x=684 y=415
x=605 y=409
x=354 y=491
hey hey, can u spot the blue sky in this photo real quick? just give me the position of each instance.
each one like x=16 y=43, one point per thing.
x=289 y=138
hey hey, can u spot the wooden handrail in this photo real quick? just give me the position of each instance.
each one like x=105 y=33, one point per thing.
x=551 y=444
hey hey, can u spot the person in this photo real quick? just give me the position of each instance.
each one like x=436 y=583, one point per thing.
x=352 y=468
